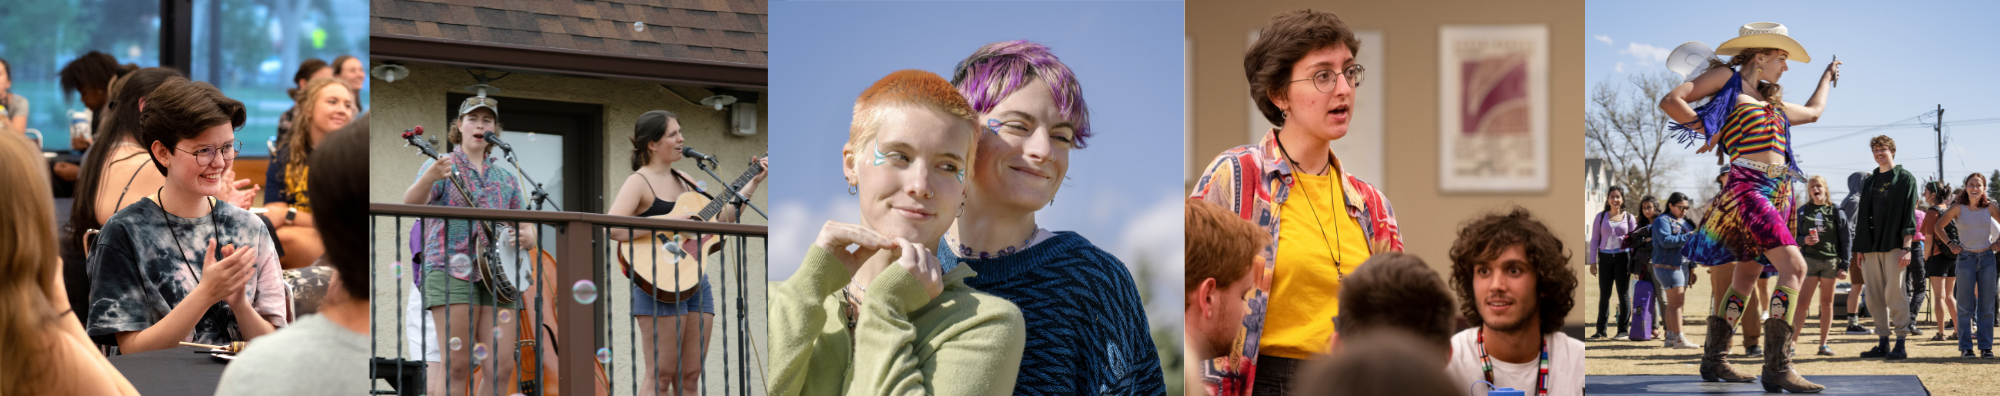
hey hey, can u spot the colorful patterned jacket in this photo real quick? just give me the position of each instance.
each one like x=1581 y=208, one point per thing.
x=1253 y=181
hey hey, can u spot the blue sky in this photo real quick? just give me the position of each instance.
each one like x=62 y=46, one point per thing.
x=1900 y=59
x=1125 y=193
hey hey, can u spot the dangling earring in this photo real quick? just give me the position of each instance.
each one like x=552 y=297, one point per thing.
x=1285 y=114
x=853 y=190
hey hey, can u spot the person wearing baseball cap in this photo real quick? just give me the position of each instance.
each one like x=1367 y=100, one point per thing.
x=1749 y=121
x=448 y=278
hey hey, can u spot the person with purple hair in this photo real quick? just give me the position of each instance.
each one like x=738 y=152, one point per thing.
x=1087 y=329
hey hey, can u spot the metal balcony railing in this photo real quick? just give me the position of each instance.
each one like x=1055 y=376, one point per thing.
x=575 y=291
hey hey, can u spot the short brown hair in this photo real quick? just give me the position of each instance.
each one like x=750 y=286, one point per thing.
x=1482 y=239
x=1289 y=36
x=1221 y=245
x=1396 y=291
x=338 y=184
x=1882 y=141
x=180 y=109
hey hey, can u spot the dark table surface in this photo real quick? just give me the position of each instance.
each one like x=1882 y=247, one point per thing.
x=176 y=371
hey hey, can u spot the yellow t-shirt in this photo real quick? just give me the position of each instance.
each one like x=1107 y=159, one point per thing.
x=1306 y=290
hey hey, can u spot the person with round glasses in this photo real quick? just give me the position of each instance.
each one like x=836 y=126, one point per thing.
x=1323 y=221
x=179 y=265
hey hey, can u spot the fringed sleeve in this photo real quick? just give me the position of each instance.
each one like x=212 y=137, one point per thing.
x=1711 y=115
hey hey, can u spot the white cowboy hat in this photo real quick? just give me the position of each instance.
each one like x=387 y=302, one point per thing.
x=1764 y=35
x=1690 y=59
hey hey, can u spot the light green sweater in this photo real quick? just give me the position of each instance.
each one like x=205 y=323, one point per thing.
x=962 y=343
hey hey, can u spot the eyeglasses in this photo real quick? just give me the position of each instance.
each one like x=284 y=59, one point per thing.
x=1323 y=79
x=206 y=155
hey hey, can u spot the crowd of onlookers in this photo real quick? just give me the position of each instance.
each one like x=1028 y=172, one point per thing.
x=163 y=243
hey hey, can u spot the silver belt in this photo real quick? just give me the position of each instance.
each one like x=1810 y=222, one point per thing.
x=1770 y=170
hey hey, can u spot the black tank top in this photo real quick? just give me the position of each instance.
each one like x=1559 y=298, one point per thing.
x=660 y=206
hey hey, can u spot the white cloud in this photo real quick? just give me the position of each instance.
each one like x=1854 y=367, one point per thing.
x=1620 y=68
x=1604 y=38
x=1647 y=52
x=794 y=225
x=1157 y=234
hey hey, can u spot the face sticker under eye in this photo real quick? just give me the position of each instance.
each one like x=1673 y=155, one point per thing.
x=961 y=175
x=993 y=126
x=879 y=157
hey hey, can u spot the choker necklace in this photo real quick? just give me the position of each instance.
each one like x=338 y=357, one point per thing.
x=967 y=252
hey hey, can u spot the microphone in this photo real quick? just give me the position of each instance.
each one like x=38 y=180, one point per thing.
x=494 y=137
x=690 y=153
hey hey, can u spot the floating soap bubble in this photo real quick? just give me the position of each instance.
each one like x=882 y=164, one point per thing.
x=455 y=343
x=461 y=266
x=604 y=355
x=496 y=332
x=479 y=351
x=585 y=291
x=506 y=316
x=638 y=26
x=396 y=269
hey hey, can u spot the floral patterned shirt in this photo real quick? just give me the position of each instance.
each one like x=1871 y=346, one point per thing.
x=494 y=188
x=1253 y=180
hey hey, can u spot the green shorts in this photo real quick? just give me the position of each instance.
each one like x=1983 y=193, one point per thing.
x=441 y=289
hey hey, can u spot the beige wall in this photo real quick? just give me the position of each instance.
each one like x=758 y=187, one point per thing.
x=1218 y=32
x=418 y=99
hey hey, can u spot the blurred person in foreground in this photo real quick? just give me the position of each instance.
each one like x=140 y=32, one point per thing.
x=45 y=349
x=326 y=353
x=1222 y=257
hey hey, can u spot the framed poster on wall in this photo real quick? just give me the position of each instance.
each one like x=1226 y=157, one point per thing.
x=1493 y=97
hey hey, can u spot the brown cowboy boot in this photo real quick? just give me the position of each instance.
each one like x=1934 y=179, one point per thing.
x=1715 y=354
x=1778 y=371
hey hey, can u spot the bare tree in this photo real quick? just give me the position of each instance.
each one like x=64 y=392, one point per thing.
x=1625 y=127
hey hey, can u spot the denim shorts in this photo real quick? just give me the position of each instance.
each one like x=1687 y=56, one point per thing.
x=645 y=305
x=1670 y=276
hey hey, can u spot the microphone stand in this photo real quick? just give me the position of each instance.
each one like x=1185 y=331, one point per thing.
x=539 y=196
x=731 y=194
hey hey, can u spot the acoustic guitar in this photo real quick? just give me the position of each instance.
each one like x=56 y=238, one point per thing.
x=667 y=264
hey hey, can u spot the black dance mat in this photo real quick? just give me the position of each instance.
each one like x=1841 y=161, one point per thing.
x=1874 y=385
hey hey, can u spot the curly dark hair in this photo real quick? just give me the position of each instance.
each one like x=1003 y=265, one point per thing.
x=1288 y=37
x=1482 y=239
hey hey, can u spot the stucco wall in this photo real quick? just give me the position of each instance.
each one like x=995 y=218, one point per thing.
x=418 y=100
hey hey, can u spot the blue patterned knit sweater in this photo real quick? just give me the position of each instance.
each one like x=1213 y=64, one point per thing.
x=1087 y=331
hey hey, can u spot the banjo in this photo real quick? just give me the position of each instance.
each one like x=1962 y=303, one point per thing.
x=497 y=262
x=667 y=264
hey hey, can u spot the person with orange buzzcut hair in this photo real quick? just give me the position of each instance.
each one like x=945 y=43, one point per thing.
x=886 y=318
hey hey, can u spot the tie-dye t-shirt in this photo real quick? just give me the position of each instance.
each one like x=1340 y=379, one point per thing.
x=140 y=273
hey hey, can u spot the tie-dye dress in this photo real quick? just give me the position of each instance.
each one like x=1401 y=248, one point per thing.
x=1751 y=215
x=140 y=273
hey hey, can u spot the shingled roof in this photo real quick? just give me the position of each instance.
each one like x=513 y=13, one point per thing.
x=733 y=31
